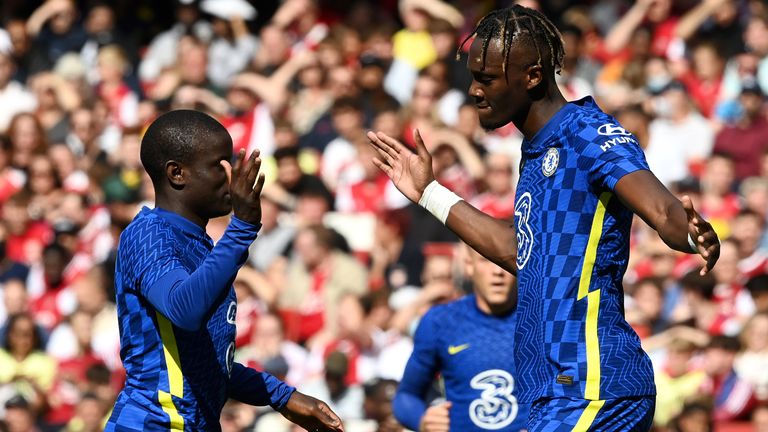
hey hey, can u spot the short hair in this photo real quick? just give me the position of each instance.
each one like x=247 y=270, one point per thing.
x=176 y=135
x=286 y=152
x=346 y=103
x=440 y=25
x=757 y=285
x=702 y=285
x=726 y=343
x=509 y=24
x=323 y=235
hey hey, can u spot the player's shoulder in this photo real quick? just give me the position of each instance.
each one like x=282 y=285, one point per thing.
x=594 y=131
x=450 y=312
x=146 y=227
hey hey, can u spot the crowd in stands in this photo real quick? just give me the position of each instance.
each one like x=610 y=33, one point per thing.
x=344 y=265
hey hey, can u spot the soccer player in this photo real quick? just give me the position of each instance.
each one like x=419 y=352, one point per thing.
x=175 y=300
x=468 y=342
x=582 y=176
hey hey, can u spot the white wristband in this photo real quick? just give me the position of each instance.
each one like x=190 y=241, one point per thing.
x=692 y=244
x=438 y=200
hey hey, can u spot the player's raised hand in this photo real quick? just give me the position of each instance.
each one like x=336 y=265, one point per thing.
x=707 y=243
x=312 y=414
x=410 y=172
x=436 y=418
x=245 y=187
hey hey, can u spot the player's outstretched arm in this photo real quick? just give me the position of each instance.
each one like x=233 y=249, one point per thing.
x=312 y=414
x=680 y=226
x=412 y=174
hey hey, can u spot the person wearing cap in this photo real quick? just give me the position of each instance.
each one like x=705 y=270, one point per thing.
x=232 y=46
x=745 y=140
x=467 y=342
x=161 y=52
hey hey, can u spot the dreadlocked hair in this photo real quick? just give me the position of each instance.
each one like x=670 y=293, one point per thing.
x=513 y=22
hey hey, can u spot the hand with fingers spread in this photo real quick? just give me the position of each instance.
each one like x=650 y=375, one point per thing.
x=312 y=414
x=703 y=236
x=410 y=172
x=245 y=186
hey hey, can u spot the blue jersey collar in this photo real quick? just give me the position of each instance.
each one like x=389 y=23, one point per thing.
x=178 y=221
x=540 y=142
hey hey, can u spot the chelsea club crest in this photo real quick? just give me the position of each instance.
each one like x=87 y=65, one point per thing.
x=551 y=159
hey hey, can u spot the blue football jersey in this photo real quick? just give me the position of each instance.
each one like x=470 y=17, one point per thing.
x=471 y=350
x=176 y=379
x=573 y=247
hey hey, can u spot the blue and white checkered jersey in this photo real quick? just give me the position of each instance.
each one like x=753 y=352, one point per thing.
x=573 y=245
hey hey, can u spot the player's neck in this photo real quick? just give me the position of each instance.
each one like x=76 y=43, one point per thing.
x=494 y=309
x=176 y=207
x=540 y=112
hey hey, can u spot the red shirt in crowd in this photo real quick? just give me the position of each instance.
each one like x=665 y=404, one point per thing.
x=745 y=145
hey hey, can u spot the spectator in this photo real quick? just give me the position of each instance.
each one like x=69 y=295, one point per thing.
x=695 y=417
x=274 y=236
x=268 y=343
x=91 y=412
x=758 y=290
x=23 y=363
x=318 y=278
x=744 y=141
x=19 y=416
x=678 y=137
x=760 y=418
x=733 y=396
x=230 y=50
x=55 y=29
x=122 y=102
x=718 y=201
x=14 y=97
x=344 y=399
x=752 y=361
x=676 y=381
x=27 y=138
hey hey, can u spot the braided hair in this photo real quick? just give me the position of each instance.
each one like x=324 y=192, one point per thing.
x=512 y=23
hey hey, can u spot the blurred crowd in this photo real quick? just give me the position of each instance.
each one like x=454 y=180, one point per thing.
x=344 y=265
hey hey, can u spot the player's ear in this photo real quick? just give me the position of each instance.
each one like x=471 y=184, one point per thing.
x=535 y=74
x=175 y=174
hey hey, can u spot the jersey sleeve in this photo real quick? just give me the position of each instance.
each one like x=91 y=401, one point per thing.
x=608 y=152
x=409 y=404
x=185 y=298
x=258 y=388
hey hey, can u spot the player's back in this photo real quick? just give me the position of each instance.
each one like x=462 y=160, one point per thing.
x=472 y=351
x=573 y=246
x=176 y=378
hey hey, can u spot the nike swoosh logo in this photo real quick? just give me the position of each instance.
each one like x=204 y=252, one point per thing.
x=455 y=349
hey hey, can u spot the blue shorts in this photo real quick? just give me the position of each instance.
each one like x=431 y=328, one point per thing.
x=581 y=415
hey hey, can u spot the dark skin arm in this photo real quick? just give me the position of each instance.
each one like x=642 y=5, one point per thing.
x=673 y=219
x=311 y=414
x=412 y=172
x=640 y=191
